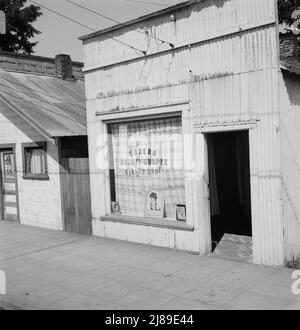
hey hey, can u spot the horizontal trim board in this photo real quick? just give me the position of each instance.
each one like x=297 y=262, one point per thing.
x=11 y=217
x=10 y=204
x=34 y=58
x=147 y=222
x=10 y=193
x=171 y=110
x=222 y=127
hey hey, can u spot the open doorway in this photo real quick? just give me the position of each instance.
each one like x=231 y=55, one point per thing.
x=230 y=192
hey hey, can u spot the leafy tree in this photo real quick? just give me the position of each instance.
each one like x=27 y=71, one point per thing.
x=285 y=10
x=19 y=28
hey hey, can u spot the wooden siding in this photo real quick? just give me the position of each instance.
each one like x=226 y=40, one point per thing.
x=75 y=185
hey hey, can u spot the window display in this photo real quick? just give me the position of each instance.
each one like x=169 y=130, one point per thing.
x=146 y=163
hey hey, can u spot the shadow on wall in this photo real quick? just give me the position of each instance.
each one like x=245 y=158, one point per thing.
x=25 y=128
x=292 y=87
x=290 y=128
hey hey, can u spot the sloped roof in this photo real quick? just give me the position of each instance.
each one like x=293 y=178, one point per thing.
x=54 y=106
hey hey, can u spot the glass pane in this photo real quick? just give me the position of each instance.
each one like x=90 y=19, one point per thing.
x=8 y=160
x=147 y=158
x=35 y=161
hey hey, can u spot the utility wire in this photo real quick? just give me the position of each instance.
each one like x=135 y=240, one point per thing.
x=93 y=11
x=150 y=3
x=116 y=21
x=85 y=26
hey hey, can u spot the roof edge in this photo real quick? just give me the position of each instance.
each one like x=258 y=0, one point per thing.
x=35 y=57
x=18 y=111
x=139 y=19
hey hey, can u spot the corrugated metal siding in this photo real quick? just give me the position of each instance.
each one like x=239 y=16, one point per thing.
x=166 y=76
x=198 y=21
x=290 y=136
x=266 y=192
x=251 y=97
x=240 y=97
x=57 y=107
x=234 y=79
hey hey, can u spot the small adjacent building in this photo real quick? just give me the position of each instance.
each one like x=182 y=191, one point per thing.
x=193 y=125
x=44 y=176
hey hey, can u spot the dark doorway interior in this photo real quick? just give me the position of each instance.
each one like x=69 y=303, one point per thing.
x=230 y=195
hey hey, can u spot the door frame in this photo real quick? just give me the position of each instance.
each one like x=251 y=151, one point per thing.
x=3 y=148
x=62 y=172
x=204 y=130
x=207 y=171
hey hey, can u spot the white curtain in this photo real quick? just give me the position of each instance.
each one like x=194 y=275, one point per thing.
x=214 y=196
x=243 y=173
x=36 y=162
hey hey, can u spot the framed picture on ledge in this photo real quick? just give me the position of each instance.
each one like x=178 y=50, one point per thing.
x=115 y=208
x=180 y=211
x=154 y=204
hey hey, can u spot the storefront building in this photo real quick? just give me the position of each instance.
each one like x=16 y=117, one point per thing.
x=184 y=128
x=44 y=170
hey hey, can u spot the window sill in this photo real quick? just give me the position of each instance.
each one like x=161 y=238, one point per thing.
x=36 y=177
x=148 y=222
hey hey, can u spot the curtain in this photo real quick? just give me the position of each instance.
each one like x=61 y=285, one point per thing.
x=35 y=161
x=214 y=197
x=240 y=168
x=148 y=155
x=242 y=151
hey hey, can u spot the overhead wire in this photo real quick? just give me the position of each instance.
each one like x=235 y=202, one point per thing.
x=150 y=3
x=85 y=26
x=116 y=21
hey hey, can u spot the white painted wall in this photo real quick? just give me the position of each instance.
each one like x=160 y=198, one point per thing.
x=39 y=201
x=290 y=161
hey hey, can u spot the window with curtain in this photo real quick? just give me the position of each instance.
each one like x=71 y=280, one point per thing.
x=35 y=162
x=146 y=165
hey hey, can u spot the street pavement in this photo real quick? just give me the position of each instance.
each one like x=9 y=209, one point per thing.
x=60 y=271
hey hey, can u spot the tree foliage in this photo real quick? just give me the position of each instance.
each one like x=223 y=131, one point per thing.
x=19 y=28
x=285 y=10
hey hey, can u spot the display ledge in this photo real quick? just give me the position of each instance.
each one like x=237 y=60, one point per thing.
x=149 y=222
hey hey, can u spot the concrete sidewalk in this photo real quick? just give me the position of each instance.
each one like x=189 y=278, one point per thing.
x=55 y=270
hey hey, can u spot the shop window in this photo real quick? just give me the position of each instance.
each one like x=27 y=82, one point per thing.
x=35 y=161
x=146 y=169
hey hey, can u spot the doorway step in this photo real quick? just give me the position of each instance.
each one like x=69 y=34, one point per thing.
x=236 y=248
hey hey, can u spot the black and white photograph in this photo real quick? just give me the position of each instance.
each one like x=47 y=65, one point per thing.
x=149 y=158
x=180 y=212
x=154 y=204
